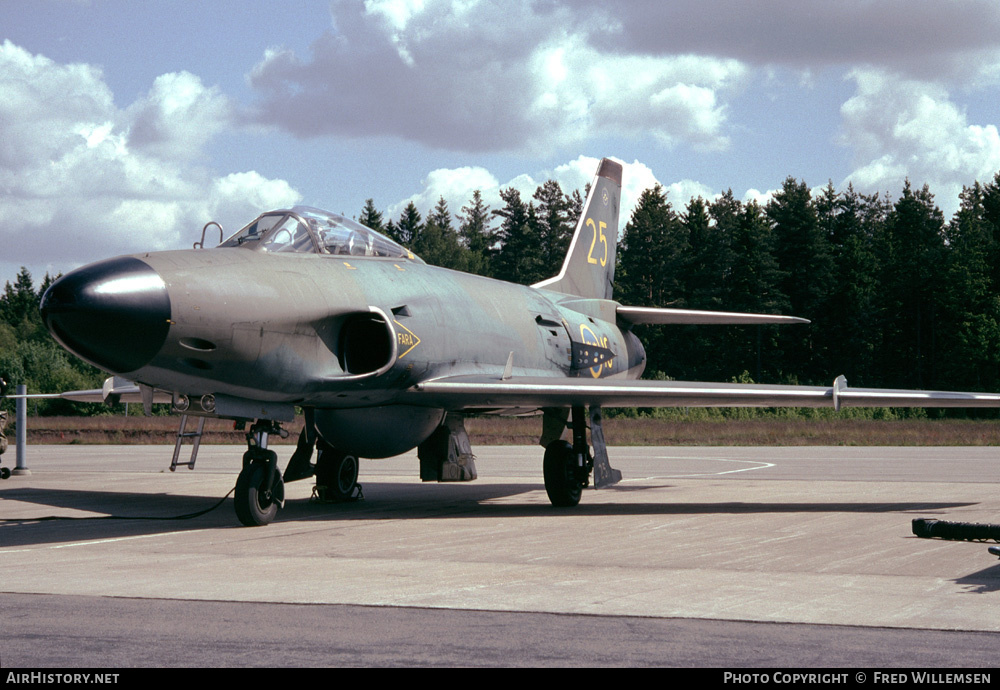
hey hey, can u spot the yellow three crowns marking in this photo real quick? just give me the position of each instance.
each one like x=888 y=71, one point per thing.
x=595 y=371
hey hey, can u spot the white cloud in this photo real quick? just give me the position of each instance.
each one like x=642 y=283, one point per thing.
x=637 y=177
x=177 y=117
x=902 y=128
x=762 y=198
x=923 y=39
x=448 y=75
x=396 y=12
x=43 y=105
x=680 y=193
x=457 y=184
x=82 y=179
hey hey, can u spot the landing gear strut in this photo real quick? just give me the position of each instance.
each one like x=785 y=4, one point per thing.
x=259 y=488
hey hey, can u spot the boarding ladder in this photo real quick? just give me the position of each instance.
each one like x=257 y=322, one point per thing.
x=195 y=437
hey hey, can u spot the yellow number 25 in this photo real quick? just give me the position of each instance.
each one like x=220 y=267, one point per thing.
x=598 y=231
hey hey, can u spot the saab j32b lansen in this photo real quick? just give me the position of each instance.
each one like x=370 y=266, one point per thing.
x=384 y=353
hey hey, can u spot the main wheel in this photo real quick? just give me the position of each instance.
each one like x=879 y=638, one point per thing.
x=338 y=472
x=257 y=503
x=561 y=482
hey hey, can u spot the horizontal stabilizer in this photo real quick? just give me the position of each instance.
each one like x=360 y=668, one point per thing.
x=649 y=315
x=115 y=389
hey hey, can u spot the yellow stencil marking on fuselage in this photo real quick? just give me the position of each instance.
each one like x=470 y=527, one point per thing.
x=409 y=340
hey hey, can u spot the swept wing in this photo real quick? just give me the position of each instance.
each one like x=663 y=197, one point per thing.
x=650 y=315
x=538 y=392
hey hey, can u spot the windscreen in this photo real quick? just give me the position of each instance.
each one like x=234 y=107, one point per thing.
x=310 y=230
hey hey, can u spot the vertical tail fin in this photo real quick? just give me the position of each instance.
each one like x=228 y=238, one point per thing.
x=589 y=268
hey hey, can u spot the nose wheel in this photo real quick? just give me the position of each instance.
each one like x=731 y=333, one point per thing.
x=259 y=493
x=259 y=488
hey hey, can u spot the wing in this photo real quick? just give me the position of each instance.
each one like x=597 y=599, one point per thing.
x=523 y=393
x=694 y=316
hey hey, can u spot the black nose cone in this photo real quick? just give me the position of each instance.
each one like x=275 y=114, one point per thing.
x=115 y=313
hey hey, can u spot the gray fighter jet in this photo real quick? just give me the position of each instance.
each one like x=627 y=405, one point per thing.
x=384 y=353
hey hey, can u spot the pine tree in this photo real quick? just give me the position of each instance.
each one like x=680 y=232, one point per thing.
x=650 y=271
x=699 y=351
x=555 y=227
x=708 y=257
x=753 y=285
x=475 y=231
x=850 y=325
x=438 y=243
x=519 y=258
x=970 y=314
x=911 y=252
x=576 y=207
x=392 y=232
x=802 y=251
x=370 y=216
x=410 y=225
x=654 y=247
x=991 y=216
x=19 y=305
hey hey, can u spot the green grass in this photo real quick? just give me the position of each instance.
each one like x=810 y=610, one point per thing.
x=775 y=430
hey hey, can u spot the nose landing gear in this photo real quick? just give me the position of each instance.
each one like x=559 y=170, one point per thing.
x=260 y=490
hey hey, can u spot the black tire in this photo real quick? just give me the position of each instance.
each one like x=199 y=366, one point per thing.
x=255 y=505
x=338 y=472
x=561 y=483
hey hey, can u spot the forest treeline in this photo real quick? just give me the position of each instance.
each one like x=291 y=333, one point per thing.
x=897 y=295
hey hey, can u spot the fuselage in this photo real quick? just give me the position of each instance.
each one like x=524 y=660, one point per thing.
x=307 y=308
x=329 y=331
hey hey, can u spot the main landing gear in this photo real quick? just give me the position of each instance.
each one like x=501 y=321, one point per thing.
x=567 y=466
x=567 y=473
x=336 y=474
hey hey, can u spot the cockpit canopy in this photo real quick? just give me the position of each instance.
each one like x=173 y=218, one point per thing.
x=306 y=230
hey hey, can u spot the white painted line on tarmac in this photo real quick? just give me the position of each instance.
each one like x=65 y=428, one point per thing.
x=757 y=465
x=94 y=542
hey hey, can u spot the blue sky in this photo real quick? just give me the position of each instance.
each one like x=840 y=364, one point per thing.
x=125 y=126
